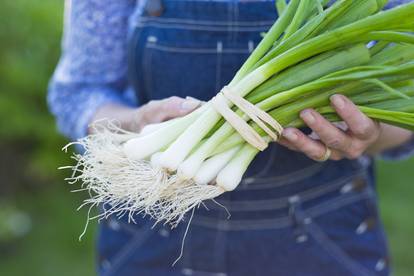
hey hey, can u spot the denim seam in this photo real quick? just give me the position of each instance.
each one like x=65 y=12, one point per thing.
x=234 y=19
x=189 y=50
x=138 y=239
x=205 y=273
x=336 y=252
x=263 y=183
x=187 y=264
x=199 y=28
x=218 y=64
x=168 y=20
x=147 y=66
x=332 y=205
x=307 y=195
x=126 y=226
x=276 y=223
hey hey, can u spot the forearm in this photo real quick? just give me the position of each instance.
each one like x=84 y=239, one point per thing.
x=389 y=138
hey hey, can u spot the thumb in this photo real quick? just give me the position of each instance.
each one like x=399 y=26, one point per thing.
x=176 y=107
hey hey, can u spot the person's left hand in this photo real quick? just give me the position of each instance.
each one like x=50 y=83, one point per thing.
x=360 y=135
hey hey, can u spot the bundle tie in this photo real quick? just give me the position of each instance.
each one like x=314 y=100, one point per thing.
x=269 y=125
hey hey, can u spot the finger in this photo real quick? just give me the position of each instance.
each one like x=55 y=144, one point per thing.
x=284 y=142
x=313 y=149
x=359 y=124
x=341 y=125
x=176 y=107
x=329 y=134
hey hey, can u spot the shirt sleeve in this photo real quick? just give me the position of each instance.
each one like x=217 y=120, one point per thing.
x=401 y=152
x=407 y=149
x=92 y=70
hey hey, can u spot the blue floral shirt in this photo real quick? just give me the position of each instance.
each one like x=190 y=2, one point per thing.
x=92 y=70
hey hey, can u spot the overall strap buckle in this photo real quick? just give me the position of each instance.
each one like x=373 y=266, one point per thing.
x=154 y=7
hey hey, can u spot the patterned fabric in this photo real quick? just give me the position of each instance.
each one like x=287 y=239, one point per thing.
x=92 y=70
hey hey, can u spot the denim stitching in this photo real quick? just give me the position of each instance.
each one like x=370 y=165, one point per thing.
x=198 y=28
x=332 y=205
x=275 y=223
x=202 y=273
x=234 y=19
x=283 y=180
x=266 y=23
x=126 y=226
x=279 y=203
x=243 y=225
x=187 y=264
x=147 y=66
x=196 y=50
x=336 y=252
x=218 y=64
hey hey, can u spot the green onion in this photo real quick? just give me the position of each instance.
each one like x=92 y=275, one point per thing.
x=309 y=54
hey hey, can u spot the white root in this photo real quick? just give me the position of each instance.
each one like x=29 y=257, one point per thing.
x=129 y=187
x=181 y=197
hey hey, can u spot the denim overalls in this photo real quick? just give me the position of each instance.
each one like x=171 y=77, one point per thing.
x=289 y=216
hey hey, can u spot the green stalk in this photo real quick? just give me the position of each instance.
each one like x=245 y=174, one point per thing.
x=300 y=16
x=395 y=115
x=355 y=55
x=401 y=105
x=381 y=4
x=310 y=70
x=184 y=144
x=280 y=6
x=390 y=36
x=267 y=42
x=309 y=30
x=359 y=9
x=387 y=88
x=287 y=114
x=393 y=54
x=337 y=38
x=307 y=71
x=329 y=81
x=378 y=95
x=378 y=47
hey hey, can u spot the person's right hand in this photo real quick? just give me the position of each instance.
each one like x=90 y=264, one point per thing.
x=157 y=111
x=163 y=110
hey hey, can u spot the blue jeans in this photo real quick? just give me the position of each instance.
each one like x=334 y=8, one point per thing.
x=289 y=216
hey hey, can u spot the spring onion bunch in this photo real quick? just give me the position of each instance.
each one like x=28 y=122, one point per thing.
x=311 y=52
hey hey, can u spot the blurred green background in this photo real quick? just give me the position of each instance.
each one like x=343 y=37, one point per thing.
x=39 y=224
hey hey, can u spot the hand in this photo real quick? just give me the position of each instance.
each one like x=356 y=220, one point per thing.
x=361 y=133
x=157 y=111
x=163 y=110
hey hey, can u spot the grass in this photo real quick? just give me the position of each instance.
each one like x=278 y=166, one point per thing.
x=397 y=207
x=52 y=247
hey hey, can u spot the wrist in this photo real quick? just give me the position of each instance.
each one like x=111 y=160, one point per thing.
x=389 y=137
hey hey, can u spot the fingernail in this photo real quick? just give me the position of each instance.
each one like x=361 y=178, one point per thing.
x=307 y=116
x=290 y=135
x=338 y=101
x=190 y=104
